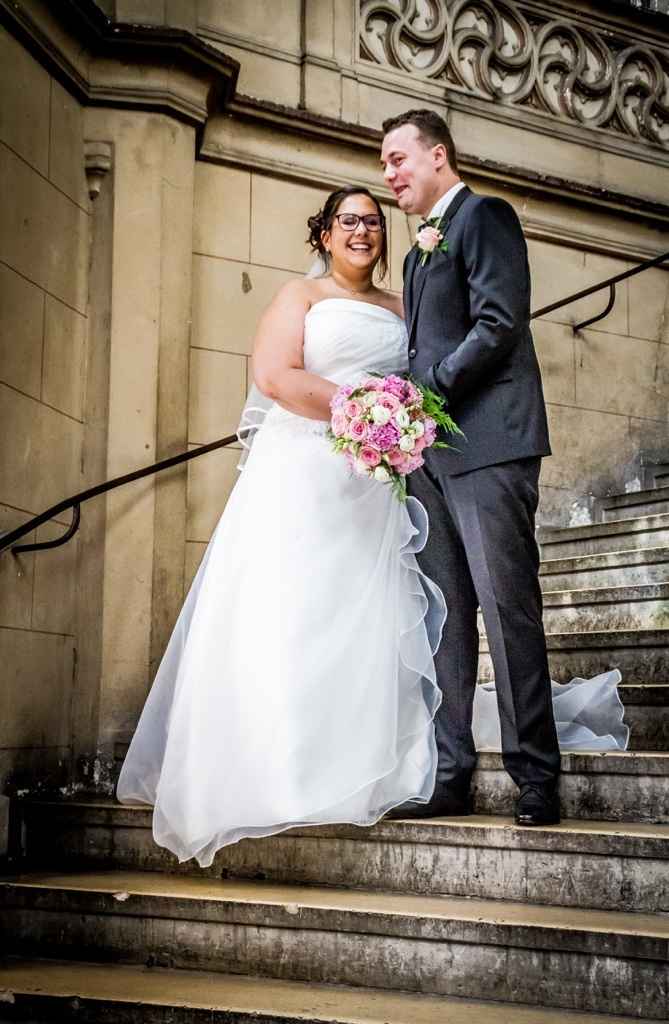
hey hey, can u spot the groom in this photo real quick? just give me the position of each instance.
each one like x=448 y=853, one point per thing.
x=467 y=310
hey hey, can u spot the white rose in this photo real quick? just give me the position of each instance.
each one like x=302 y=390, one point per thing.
x=417 y=428
x=370 y=398
x=381 y=474
x=407 y=443
x=402 y=418
x=381 y=415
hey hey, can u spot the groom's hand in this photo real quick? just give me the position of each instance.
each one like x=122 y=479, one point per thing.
x=495 y=257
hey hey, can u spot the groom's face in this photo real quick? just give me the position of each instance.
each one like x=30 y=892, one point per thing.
x=412 y=169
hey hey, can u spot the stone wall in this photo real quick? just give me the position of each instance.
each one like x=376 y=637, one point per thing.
x=43 y=356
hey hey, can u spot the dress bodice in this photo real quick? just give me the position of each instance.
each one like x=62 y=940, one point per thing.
x=344 y=338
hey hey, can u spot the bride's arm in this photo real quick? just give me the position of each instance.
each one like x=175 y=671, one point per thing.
x=278 y=356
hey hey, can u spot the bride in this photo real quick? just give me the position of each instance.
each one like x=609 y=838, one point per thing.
x=298 y=687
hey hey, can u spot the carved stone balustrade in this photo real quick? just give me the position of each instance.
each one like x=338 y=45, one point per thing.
x=550 y=58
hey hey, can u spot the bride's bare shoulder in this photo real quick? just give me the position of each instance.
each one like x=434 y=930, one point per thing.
x=392 y=301
x=303 y=289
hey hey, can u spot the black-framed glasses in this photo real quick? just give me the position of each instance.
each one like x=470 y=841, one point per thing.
x=350 y=221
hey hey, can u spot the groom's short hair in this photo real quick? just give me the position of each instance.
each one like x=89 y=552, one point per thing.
x=432 y=129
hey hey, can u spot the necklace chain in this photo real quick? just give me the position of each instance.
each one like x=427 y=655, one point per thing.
x=353 y=291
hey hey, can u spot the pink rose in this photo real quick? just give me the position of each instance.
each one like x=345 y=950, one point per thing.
x=414 y=462
x=352 y=408
x=396 y=386
x=430 y=430
x=413 y=395
x=428 y=238
x=388 y=401
x=357 y=429
x=395 y=457
x=373 y=384
x=370 y=456
x=402 y=465
x=339 y=423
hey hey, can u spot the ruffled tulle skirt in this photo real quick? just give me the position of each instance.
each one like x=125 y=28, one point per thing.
x=589 y=715
x=298 y=687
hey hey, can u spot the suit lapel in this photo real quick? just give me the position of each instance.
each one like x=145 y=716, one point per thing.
x=408 y=276
x=419 y=274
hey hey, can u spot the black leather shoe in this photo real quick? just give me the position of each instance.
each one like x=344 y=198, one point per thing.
x=537 y=805
x=442 y=804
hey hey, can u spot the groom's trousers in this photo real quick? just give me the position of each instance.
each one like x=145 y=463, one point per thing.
x=482 y=552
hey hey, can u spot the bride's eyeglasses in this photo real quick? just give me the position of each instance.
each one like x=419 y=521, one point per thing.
x=350 y=221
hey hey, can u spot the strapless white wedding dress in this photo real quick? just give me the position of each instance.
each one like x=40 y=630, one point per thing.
x=298 y=687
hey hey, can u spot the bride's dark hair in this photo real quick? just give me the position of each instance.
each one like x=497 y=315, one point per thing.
x=322 y=221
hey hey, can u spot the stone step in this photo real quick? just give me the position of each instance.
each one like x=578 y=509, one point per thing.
x=605 y=608
x=635 y=503
x=636 y=567
x=634 y=607
x=605 y=865
x=597 y=538
x=647 y=715
x=642 y=655
x=438 y=945
x=628 y=786
x=51 y=992
x=654 y=474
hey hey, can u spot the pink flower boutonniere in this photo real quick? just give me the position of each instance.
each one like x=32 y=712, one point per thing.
x=429 y=238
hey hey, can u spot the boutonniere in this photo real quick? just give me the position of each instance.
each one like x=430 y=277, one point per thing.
x=429 y=238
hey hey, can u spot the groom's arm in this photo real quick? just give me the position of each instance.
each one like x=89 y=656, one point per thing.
x=495 y=258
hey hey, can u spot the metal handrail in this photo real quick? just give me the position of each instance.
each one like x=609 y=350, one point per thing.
x=610 y=283
x=8 y=539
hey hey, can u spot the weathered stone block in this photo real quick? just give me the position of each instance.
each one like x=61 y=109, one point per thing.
x=66 y=155
x=16 y=575
x=37 y=680
x=554 y=343
x=55 y=587
x=25 y=88
x=250 y=21
x=64 y=362
x=194 y=553
x=217 y=393
x=624 y=375
x=279 y=214
x=649 y=305
x=44 y=235
x=589 y=447
x=21 y=331
x=228 y=301
x=222 y=211
x=210 y=481
x=43 y=467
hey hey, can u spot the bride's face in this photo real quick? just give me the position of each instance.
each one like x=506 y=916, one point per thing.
x=359 y=248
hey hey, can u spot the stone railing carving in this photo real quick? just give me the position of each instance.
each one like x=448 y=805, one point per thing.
x=525 y=55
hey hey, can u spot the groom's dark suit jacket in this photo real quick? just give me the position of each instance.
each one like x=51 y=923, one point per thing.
x=467 y=313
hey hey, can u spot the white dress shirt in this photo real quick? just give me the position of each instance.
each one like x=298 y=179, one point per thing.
x=442 y=204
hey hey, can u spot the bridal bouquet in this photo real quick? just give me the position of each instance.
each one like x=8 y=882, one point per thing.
x=383 y=425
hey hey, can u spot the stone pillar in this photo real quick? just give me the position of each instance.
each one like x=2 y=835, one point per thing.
x=149 y=324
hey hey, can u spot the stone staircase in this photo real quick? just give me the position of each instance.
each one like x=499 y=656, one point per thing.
x=408 y=922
